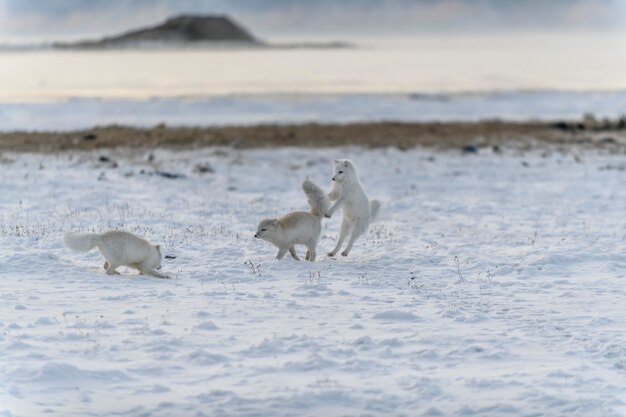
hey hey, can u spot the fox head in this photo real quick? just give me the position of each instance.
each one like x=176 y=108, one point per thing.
x=266 y=229
x=344 y=171
x=156 y=257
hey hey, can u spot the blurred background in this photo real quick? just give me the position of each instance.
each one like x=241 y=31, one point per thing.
x=324 y=61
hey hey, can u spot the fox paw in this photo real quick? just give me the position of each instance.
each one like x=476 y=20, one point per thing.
x=344 y=253
x=331 y=254
x=327 y=216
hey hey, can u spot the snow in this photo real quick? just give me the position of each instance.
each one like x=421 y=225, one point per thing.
x=493 y=284
x=250 y=109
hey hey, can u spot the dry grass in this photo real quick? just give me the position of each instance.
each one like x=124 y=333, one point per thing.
x=493 y=134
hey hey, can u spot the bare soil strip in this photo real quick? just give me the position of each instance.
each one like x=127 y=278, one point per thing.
x=611 y=135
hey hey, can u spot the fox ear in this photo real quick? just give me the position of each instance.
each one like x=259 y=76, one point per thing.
x=345 y=163
x=158 y=247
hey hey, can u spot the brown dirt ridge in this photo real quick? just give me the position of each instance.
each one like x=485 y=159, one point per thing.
x=463 y=135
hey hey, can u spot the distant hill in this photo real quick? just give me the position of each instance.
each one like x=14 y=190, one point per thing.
x=177 y=31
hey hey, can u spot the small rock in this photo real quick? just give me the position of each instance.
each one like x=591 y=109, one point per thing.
x=607 y=139
x=90 y=136
x=589 y=121
x=203 y=168
x=561 y=126
x=470 y=149
x=568 y=127
x=170 y=175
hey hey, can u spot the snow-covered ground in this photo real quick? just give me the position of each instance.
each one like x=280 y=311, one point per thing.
x=492 y=285
x=249 y=109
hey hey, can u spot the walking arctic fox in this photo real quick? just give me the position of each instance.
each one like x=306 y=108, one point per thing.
x=297 y=227
x=358 y=212
x=119 y=249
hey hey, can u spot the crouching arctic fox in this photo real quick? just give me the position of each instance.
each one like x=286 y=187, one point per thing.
x=297 y=227
x=119 y=249
x=358 y=211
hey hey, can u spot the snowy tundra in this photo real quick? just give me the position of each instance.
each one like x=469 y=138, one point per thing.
x=492 y=285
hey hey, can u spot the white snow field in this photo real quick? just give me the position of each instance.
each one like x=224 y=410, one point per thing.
x=493 y=285
x=84 y=113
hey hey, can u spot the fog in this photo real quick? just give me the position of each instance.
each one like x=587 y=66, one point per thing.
x=41 y=20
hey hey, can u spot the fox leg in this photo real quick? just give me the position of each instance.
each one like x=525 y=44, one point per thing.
x=358 y=230
x=350 y=243
x=343 y=234
x=294 y=255
x=111 y=269
x=281 y=253
x=150 y=271
x=106 y=264
x=146 y=270
x=334 y=208
x=311 y=246
x=308 y=255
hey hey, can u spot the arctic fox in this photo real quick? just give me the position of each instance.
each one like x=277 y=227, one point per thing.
x=119 y=249
x=297 y=227
x=358 y=212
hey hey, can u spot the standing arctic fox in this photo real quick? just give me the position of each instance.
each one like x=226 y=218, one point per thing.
x=358 y=212
x=119 y=249
x=297 y=227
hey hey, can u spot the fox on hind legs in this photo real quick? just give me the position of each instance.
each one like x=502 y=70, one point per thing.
x=358 y=211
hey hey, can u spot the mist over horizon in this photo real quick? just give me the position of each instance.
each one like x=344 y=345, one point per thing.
x=42 y=21
x=403 y=47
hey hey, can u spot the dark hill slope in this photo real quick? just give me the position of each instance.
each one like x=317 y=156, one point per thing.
x=176 y=31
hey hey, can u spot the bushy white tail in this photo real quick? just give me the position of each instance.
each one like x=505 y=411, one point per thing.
x=317 y=198
x=81 y=242
x=374 y=210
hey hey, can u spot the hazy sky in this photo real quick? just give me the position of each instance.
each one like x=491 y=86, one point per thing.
x=37 y=20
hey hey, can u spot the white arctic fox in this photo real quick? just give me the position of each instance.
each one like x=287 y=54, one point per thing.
x=119 y=249
x=358 y=212
x=297 y=227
